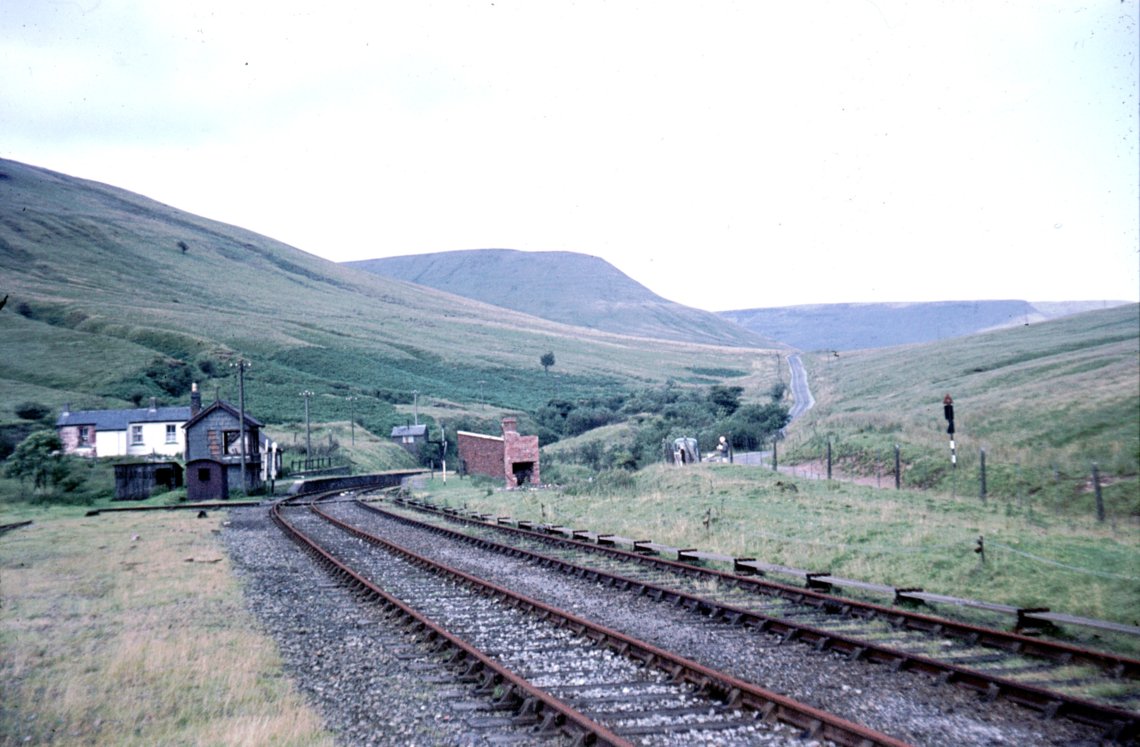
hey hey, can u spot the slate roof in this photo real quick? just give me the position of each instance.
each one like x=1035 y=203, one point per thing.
x=120 y=420
x=409 y=430
x=223 y=405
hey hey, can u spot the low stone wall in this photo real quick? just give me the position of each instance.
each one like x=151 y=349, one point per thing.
x=388 y=479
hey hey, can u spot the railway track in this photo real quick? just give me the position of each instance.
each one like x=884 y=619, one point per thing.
x=1053 y=679
x=554 y=672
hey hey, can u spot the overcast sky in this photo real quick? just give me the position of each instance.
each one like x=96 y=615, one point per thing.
x=725 y=154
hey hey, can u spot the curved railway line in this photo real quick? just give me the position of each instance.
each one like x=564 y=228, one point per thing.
x=590 y=644
x=554 y=671
x=1056 y=680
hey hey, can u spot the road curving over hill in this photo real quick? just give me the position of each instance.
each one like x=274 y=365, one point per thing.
x=801 y=393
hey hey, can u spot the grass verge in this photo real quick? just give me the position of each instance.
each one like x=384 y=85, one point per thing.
x=130 y=630
x=902 y=538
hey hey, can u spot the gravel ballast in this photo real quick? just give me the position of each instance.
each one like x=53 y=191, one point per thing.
x=373 y=685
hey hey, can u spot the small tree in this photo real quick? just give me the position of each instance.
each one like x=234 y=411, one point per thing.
x=725 y=398
x=752 y=425
x=37 y=457
x=32 y=410
x=547 y=360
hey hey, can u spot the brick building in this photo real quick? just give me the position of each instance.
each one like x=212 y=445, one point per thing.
x=510 y=457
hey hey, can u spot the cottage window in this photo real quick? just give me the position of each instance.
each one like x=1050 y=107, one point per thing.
x=84 y=435
x=171 y=434
x=136 y=435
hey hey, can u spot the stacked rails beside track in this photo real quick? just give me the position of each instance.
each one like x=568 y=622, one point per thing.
x=1048 y=676
x=595 y=684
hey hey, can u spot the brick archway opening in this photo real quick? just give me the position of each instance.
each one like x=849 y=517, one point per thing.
x=523 y=472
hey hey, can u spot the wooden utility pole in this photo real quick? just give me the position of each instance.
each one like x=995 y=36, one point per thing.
x=308 y=439
x=982 y=475
x=242 y=365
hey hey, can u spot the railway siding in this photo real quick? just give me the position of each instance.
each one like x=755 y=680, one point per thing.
x=908 y=631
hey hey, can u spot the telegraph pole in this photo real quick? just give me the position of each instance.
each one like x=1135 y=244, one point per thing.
x=352 y=418
x=443 y=450
x=242 y=365
x=308 y=441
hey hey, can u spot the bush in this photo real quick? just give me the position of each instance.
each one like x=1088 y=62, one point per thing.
x=32 y=411
x=170 y=375
x=753 y=425
x=38 y=457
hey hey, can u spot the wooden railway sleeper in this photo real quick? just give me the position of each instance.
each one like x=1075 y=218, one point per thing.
x=471 y=672
x=487 y=681
x=550 y=724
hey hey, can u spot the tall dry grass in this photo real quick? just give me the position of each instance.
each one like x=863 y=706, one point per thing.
x=130 y=630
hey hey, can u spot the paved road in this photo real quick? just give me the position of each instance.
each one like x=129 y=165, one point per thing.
x=801 y=393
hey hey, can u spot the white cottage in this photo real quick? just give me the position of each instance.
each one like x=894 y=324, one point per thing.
x=114 y=433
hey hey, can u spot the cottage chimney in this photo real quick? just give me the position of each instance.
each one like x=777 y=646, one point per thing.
x=66 y=409
x=195 y=399
x=153 y=404
x=510 y=425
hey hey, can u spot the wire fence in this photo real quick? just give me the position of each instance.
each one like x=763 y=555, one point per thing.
x=1046 y=481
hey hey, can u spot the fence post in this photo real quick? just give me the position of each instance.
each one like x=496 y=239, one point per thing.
x=774 y=459
x=829 y=460
x=982 y=475
x=898 y=472
x=1096 y=490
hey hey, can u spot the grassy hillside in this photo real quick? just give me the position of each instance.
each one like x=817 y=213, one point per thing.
x=564 y=287
x=1045 y=401
x=114 y=297
x=855 y=326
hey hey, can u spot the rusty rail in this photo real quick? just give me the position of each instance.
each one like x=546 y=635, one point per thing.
x=1118 y=723
x=553 y=711
x=812 y=721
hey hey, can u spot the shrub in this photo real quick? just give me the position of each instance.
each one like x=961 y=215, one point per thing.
x=37 y=457
x=32 y=411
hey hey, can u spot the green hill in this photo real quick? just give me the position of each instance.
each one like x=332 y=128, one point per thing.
x=563 y=287
x=113 y=297
x=856 y=326
x=1045 y=401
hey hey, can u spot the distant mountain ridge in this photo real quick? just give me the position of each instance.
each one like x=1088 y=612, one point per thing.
x=858 y=326
x=586 y=291
x=566 y=287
